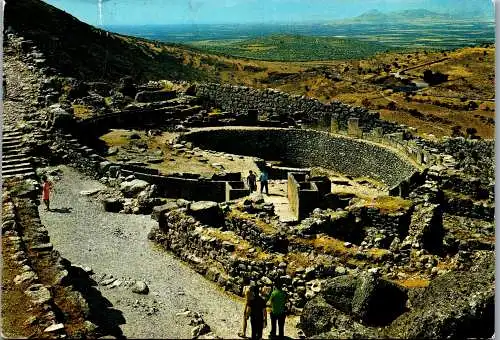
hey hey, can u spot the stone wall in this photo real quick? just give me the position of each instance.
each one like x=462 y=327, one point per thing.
x=220 y=260
x=475 y=157
x=307 y=148
x=50 y=282
x=241 y=99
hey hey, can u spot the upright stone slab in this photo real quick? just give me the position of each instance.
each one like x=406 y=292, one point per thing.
x=353 y=127
x=334 y=125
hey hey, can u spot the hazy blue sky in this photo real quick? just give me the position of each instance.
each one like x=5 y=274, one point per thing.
x=112 y=12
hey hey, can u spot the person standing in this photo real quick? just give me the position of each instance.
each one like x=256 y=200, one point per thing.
x=46 y=189
x=258 y=317
x=277 y=301
x=252 y=181
x=248 y=294
x=264 y=178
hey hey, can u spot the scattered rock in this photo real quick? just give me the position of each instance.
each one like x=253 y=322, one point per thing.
x=25 y=276
x=38 y=293
x=54 y=328
x=140 y=287
x=200 y=330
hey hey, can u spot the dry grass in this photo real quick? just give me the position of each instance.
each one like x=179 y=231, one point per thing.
x=82 y=111
x=390 y=204
x=13 y=297
x=117 y=138
x=414 y=283
x=329 y=245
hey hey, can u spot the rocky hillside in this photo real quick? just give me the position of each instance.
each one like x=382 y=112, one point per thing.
x=80 y=50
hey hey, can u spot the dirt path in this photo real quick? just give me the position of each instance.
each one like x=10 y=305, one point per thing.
x=117 y=245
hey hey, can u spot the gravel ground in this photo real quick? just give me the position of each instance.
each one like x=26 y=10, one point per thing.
x=117 y=245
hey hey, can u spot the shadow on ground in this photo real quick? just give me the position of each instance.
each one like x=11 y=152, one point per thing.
x=101 y=309
x=61 y=210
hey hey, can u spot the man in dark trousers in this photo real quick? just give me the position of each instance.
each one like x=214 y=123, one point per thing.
x=277 y=301
x=258 y=317
x=252 y=181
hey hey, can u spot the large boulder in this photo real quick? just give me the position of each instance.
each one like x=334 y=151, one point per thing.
x=372 y=300
x=458 y=304
x=112 y=204
x=159 y=210
x=322 y=321
x=207 y=212
x=133 y=187
x=60 y=117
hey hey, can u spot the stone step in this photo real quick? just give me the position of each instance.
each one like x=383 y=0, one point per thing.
x=17 y=160
x=26 y=174
x=12 y=151
x=16 y=157
x=14 y=166
x=10 y=142
x=11 y=138
x=16 y=171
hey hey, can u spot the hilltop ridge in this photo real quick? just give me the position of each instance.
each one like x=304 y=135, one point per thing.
x=77 y=49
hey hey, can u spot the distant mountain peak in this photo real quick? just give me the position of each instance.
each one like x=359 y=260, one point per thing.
x=375 y=15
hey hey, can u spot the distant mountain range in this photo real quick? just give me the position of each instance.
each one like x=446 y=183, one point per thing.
x=412 y=15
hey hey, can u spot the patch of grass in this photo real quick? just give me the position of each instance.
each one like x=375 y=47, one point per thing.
x=116 y=138
x=390 y=204
x=13 y=297
x=413 y=283
x=215 y=112
x=329 y=245
x=82 y=111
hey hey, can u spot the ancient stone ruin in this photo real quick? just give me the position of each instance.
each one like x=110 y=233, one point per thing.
x=374 y=231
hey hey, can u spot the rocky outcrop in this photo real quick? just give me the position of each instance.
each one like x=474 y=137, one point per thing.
x=458 y=304
x=426 y=228
x=372 y=300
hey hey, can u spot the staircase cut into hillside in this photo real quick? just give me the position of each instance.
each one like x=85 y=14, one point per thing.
x=15 y=162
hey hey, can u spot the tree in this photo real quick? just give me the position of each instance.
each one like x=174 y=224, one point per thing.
x=455 y=131
x=472 y=105
x=471 y=133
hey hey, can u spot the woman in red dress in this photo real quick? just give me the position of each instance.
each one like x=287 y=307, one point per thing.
x=46 y=188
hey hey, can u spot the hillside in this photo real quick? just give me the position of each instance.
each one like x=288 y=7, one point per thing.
x=465 y=100
x=80 y=50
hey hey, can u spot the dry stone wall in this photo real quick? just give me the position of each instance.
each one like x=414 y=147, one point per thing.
x=307 y=148
x=241 y=99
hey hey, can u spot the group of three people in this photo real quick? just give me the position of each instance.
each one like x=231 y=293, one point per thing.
x=255 y=309
x=263 y=179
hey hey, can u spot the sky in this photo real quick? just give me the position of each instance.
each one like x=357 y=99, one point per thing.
x=142 y=12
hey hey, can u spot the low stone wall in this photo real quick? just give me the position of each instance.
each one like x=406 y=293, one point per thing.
x=307 y=148
x=241 y=99
x=250 y=231
x=219 y=260
x=50 y=282
x=190 y=189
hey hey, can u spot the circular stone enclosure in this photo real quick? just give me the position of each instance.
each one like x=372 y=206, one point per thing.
x=308 y=148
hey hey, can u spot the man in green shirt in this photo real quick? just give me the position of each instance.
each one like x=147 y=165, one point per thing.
x=277 y=301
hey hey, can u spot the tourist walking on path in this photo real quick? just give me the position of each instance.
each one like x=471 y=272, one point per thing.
x=258 y=317
x=264 y=181
x=248 y=294
x=277 y=301
x=46 y=189
x=252 y=181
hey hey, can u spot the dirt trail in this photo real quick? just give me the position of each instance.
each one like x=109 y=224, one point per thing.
x=117 y=245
